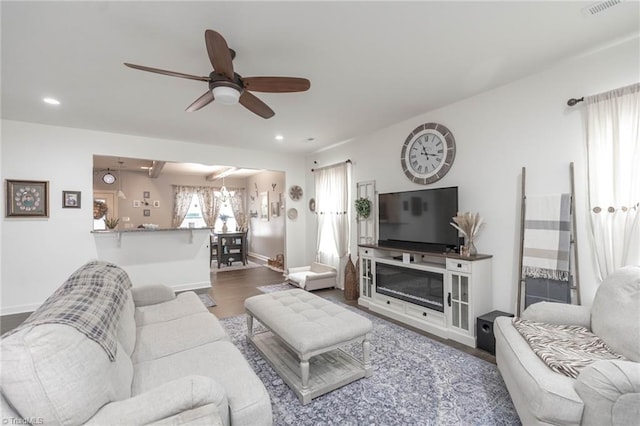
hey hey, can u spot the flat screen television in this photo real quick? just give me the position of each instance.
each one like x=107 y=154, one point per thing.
x=418 y=220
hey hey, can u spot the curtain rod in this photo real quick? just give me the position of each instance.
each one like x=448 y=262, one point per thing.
x=330 y=165
x=571 y=102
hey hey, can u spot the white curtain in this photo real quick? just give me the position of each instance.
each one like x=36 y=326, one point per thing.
x=237 y=205
x=613 y=146
x=332 y=206
x=207 y=202
x=181 y=201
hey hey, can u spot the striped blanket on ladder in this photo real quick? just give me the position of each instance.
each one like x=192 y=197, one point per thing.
x=547 y=237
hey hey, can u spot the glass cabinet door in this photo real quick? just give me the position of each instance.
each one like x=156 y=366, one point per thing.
x=460 y=301
x=366 y=276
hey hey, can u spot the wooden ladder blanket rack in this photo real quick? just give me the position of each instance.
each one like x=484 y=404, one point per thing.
x=548 y=261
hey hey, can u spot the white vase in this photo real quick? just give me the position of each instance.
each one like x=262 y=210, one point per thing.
x=224 y=227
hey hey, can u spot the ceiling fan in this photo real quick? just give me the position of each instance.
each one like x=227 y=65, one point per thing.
x=228 y=87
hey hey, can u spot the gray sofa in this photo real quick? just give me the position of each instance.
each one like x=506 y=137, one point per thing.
x=173 y=362
x=606 y=392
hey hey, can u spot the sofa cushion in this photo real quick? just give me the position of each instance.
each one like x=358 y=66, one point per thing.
x=547 y=395
x=566 y=349
x=321 y=267
x=126 y=329
x=614 y=314
x=55 y=372
x=248 y=399
x=184 y=304
x=611 y=393
x=165 y=338
x=152 y=294
x=177 y=402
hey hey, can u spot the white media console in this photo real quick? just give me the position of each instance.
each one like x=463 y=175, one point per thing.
x=442 y=294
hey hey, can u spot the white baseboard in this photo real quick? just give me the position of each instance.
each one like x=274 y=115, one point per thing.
x=260 y=257
x=21 y=309
x=191 y=286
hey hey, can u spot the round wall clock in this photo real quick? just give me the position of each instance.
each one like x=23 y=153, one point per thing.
x=428 y=153
x=108 y=178
x=295 y=192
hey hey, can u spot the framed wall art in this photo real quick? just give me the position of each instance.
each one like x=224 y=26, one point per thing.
x=275 y=208
x=71 y=199
x=27 y=198
x=264 y=206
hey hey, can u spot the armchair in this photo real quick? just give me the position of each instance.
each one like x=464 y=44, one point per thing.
x=606 y=392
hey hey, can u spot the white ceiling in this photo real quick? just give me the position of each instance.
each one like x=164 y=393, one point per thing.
x=371 y=64
x=102 y=163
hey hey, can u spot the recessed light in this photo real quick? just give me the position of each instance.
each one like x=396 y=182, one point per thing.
x=51 y=101
x=279 y=137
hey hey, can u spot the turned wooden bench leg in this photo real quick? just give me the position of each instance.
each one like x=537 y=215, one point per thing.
x=249 y=324
x=304 y=372
x=366 y=348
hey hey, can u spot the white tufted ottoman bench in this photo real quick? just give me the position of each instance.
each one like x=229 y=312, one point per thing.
x=303 y=339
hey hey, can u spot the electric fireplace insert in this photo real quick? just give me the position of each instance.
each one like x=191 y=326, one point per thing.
x=424 y=288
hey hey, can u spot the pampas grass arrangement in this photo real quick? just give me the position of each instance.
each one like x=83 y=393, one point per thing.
x=469 y=225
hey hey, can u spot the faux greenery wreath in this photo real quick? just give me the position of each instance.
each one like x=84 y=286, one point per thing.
x=99 y=209
x=363 y=207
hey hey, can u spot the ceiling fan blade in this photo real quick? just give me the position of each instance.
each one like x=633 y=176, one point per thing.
x=255 y=105
x=202 y=101
x=276 y=84
x=165 y=72
x=219 y=53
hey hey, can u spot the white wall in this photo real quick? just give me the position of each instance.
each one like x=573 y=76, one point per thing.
x=526 y=123
x=39 y=254
x=267 y=236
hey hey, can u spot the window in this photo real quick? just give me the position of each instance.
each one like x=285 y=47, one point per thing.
x=194 y=215
x=225 y=210
x=193 y=219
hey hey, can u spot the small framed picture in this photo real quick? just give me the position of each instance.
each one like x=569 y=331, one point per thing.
x=27 y=198
x=146 y=194
x=71 y=199
x=264 y=206
x=275 y=208
x=136 y=203
x=147 y=212
x=156 y=204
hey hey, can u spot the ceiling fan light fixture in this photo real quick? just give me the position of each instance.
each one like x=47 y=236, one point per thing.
x=226 y=95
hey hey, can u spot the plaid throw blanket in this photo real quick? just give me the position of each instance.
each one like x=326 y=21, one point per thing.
x=547 y=237
x=566 y=349
x=90 y=301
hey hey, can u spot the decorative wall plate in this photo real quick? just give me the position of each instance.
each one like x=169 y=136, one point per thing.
x=312 y=204
x=295 y=192
x=292 y=214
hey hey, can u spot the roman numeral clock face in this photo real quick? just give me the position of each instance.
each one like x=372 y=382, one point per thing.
x=428 y=153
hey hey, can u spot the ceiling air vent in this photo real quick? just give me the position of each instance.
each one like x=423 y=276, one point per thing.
x=600 y=7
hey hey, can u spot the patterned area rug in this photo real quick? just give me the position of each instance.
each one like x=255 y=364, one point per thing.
x=276 y=287
x=207 y=300
x=234 y=266
x=415 y=381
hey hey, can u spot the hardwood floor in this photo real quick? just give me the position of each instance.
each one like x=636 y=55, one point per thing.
x=229 y=289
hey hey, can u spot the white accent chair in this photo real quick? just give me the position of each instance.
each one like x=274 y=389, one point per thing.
x=313 y=277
